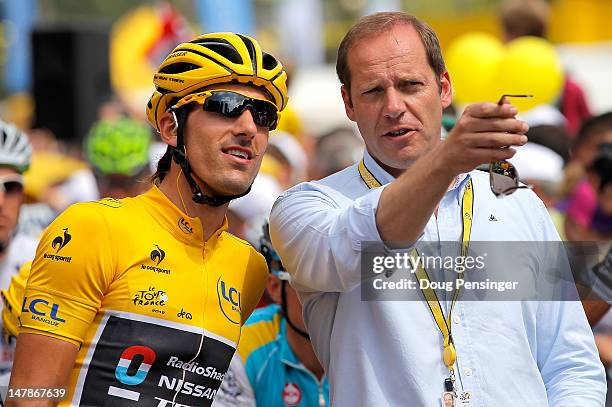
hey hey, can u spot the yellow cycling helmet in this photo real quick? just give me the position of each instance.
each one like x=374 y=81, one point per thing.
x=215 y=58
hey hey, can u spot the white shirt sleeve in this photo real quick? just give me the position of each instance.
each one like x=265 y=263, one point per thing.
x=318 y=234
x=235 y=390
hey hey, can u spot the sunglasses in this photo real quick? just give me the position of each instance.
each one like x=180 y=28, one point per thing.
x=11 y=184
x=503 y=176
x=229 y=103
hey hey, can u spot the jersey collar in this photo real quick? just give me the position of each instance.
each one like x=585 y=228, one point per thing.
x=286 y=354
x=185 y=228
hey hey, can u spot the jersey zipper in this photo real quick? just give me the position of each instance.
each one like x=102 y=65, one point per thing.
x=321 y=396
x=308 y=372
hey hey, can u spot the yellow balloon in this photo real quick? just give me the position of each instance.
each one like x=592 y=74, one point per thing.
x=531 y=66
x=473 y=62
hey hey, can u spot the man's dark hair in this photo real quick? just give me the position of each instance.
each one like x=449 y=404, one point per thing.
x=520 y=18
x=554 y=137
x=593 y=127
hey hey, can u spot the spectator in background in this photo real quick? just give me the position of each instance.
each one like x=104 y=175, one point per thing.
x=285 y=148
x=247 y=215
x=586 y=219
x=334 y=151
x=54 y=181
x=274 y=365
x=541 y=163
x=594 y=132
x=15 y=249
x=590 y=218
x=521 y=18
x=118 y=151
x=552 y=137
x=542 y=168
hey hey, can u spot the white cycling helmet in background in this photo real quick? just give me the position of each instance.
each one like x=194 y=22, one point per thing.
x=15 y=149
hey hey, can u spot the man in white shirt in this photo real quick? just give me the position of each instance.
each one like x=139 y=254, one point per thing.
x=392 y=353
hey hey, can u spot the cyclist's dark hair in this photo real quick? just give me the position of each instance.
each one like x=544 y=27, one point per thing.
x=163 y=167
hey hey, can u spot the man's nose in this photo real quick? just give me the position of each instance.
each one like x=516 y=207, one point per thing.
x=394 y=105
x=246 y=124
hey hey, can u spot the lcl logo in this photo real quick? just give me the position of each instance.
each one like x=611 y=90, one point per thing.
x=40 y=307
x=229 y=301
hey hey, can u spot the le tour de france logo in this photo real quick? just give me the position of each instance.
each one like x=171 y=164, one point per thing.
x=61 y=241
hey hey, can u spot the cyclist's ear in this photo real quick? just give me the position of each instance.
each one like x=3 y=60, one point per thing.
x=274 y=287
x=168 y=129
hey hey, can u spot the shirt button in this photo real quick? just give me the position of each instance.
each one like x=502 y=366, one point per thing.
x=456 y=319
x=468 y=372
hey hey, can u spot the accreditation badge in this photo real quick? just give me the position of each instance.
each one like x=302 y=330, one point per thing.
x=448 y=399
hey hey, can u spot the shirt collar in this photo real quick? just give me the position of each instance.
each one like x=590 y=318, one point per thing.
x=458 y=186
x=185 y=228
x=383 y=177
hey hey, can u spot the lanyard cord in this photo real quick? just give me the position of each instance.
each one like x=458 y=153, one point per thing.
x=449 y=354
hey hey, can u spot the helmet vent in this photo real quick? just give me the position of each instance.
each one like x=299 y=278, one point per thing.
x=221 y=47
x=178 y=67
x=251 y=48
x=269 y=62
x=226 y=51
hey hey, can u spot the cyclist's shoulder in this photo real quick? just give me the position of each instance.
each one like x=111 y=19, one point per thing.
x=268 y=314
x=245 y=247
x=241 y=248
x=106 y=210
x=260 y=333
x=105 y=207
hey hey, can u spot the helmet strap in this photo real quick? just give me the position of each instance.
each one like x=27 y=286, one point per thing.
x=284 y=313
x=179 y=155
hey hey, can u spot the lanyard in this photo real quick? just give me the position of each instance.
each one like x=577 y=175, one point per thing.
x=449 y=354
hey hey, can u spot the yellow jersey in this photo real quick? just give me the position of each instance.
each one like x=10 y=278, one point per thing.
x=156 y=311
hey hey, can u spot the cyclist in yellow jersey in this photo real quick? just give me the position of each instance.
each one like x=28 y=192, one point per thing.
x=140 y=301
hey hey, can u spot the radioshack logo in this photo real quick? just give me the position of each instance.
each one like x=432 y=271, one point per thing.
x=60 y=241
x=41 y=310
x=151 y=298
x=58 y=244
x=185 y=226
x=229 y=301
x=157 y=255
x=141 y=358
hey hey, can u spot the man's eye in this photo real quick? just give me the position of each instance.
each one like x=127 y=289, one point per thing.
x=411 y=84
x=373 y=90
